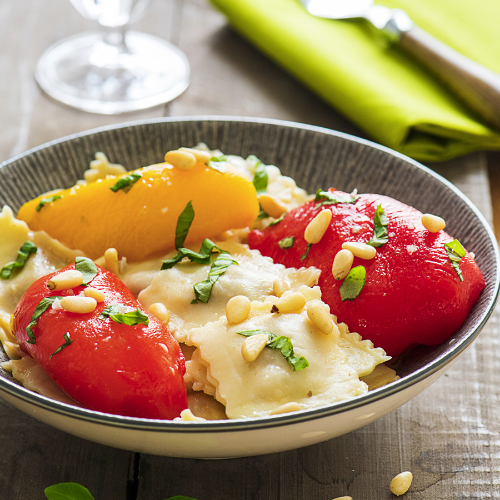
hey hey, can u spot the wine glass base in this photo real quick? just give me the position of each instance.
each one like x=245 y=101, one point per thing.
x=86 y=73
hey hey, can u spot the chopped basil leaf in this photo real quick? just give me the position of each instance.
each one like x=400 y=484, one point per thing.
x=218 y=163
x=283 y=344
x=126 y=183
x=183 y=224
x=329 y=198
x=48 y=199
x=130 y=318
x=203 y=289
x=42 y=306
x=22 y=257
x=87 y=268
x=202 y=257
x=286 y=242
x=262 y=214
x=278 y=220
x=380 y=222
x=67 y=342
x=353 y=283
x=260 y=178
x=68 y=491
x=304 y=257
x=455 y=252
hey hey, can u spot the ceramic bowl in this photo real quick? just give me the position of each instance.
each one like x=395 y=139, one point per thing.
x=315 y=158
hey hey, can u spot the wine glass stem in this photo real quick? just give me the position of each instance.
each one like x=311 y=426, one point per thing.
x=115 y=37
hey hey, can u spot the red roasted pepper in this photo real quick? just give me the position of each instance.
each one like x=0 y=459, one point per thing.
x=412 y=294
x=110 y=367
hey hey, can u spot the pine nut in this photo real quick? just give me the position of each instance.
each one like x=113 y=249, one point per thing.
x=111 y=259
x=203 y=156
x=401 y=483
x=433 y=223
x=187 y=416
x=65 y=280
x=78 y=304
x=286 y=408
x=320 y=317
x=280 y=286
x=361 y=250
x=343 y=498
x=96 y=294
x=272 y=206
x=342 y=264
x=289 y=302
x=253 y=346
x=160 y=311
x=238 y=309
x=318 y=226
x=181 y=159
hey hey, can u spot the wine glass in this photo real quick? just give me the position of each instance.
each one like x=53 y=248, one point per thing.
x=114 y=70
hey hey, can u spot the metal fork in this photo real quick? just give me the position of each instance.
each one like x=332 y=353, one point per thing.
x=477 y=86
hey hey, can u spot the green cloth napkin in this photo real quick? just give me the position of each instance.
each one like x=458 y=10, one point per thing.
x=378 y=87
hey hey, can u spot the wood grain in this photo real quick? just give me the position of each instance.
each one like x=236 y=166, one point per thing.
x=448 y=436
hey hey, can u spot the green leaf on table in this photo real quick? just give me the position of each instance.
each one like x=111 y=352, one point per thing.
x=125 y=183
x=87 y=268
x=353 y=283
x=48 y=199
x=282 y=344
x=380 y=223
x=22 y=257
x=68 y=491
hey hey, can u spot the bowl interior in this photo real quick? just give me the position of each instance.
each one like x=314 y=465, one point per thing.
x=314 y=157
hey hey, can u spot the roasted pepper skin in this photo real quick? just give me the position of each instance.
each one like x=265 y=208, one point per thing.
x=134 y=371
x=412 y=294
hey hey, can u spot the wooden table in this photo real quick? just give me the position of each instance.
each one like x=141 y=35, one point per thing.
x=449 y=436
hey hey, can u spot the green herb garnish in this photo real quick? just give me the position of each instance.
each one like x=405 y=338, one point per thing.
x=283 y=344
x=380 y=222
x=203 y=289
x=202 y=257
x=262 y=214
x=455 y=252
x=67 y=342
x=218 y=163
x=126 y=183
x=260 y=178
x=332 y=198
x=130 y=318
x=42 y=306
x=22 y=257
x=278 y=220
x=304 y=257
x=286 y=242
x=183 y=225
x=48 y=199
x=353 y=283
x=87 y=268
